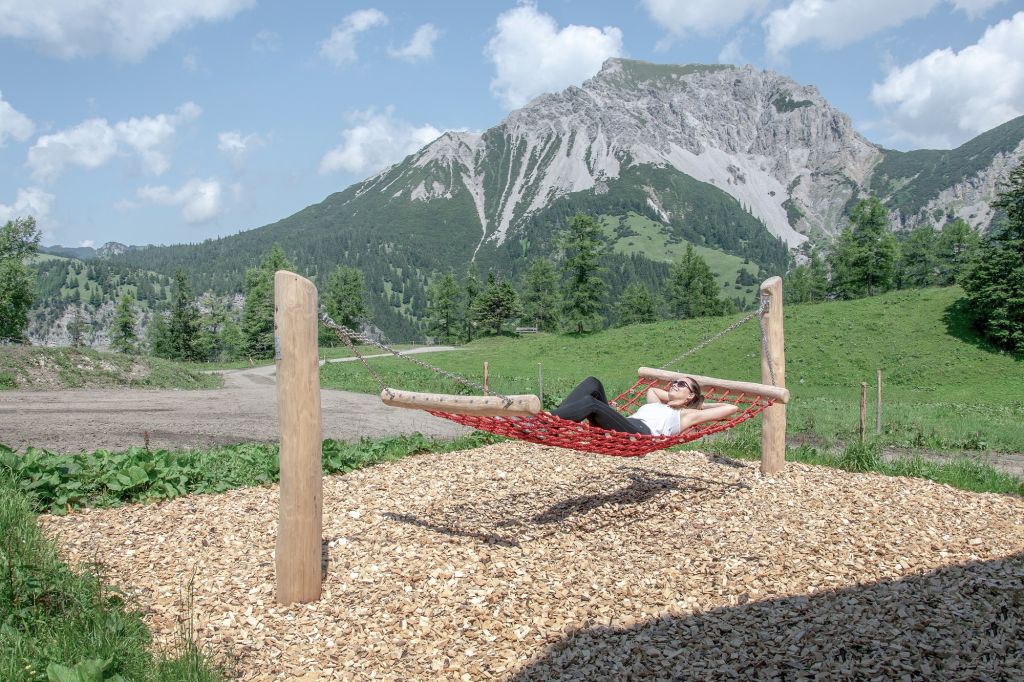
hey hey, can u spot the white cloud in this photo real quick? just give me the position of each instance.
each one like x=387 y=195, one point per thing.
x=94 y=142
x=13 y=123
x=126 y=29
x=701 y=16
x=531 y=55
x=974 y=8
x=340 y=47
x=732 y=53
x=90 y=144
x=29 y=202
x=421 y=46
x=378 y=141
x=200 y=200
x=86 y=243
x=190 y=62
x=947 y=97
x=236 y=146
x=836 y=23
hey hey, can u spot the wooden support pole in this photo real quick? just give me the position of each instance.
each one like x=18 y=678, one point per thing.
x=490 y=406
x=863 y=408
x=486 y=391
x=300 y=521
x=773 y=420
x=878 y=405
x=540 y=382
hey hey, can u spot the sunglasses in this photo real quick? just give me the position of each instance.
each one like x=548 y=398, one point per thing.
x=683 y=383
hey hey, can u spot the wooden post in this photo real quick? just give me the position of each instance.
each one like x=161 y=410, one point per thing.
x=773 y=420
x=878 y=405
x=300 y=521
x=485 y=378
x=863 y=408
x=540 y=383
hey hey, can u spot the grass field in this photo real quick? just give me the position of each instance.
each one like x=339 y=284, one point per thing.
x=942 y=387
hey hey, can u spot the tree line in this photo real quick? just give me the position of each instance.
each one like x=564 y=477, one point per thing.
x=570 y=293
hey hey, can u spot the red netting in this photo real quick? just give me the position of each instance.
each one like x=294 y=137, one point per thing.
x=547 y=429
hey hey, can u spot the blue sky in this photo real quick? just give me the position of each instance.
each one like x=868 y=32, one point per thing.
x=166 y=121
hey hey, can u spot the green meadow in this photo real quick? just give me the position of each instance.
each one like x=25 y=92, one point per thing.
x=942 y=387
x=654 y=240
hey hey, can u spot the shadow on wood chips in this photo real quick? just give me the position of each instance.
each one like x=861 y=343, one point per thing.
x=644 y=487
x=958 y=622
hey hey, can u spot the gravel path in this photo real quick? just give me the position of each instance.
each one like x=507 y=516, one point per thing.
x=244 y=410
x=521 y=562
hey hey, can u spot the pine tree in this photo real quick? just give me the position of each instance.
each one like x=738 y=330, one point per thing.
x=157 y=336
x=919 y=265
x=77 y=328
x=209 y=339
x=955 y=248
x=470 y=289
x=123 y=338
x=864 y=257
x=692 y=290
x=994 y=282
x=444 y=308
x=541 y=301
x=584 y=289
x=345 y=298
x=184 y=327
x=258 y=312
x=496 y=304
x=19 y=239
x=636 y=306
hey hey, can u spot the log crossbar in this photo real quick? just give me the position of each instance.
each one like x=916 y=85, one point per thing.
x=484 y=406
x=776 y=393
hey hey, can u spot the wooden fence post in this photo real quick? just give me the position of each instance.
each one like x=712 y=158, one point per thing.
x=486 y=390
x=878 y=405
x=773 y=420
x=300 y=520
x=863 y=408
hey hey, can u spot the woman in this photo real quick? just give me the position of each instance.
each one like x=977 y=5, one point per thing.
x=666 y=413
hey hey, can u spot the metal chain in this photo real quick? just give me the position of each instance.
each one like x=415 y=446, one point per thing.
x=759 y=314
x=765 y=304
x=717 y=336
x=346 y=335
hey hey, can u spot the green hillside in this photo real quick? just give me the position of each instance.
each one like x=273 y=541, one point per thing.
x=942 y=388
x=399 y=244
x=637 y=234
x=906 y=181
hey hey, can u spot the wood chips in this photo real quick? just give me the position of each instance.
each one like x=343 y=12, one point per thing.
x=522 y=562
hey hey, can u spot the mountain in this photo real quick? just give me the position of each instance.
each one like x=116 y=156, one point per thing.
x=87 y=252
x=742 y=163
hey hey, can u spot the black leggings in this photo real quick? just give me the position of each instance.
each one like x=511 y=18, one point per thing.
x=588 y=401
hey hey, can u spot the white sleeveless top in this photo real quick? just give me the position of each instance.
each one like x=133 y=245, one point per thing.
x=661 y=419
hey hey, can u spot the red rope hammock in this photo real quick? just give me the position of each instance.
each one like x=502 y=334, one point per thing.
x=546 y=429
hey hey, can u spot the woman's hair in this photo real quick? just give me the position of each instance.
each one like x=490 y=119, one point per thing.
x=697 y=401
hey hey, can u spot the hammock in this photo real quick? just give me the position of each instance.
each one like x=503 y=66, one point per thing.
x=547 y=429
x=521 y=418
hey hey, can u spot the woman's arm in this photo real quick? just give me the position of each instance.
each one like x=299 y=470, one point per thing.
x=657 y=395
x=711 y=412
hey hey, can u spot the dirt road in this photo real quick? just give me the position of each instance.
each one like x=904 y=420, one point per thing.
x=244 y=410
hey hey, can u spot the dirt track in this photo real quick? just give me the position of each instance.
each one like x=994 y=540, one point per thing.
x=244 y=410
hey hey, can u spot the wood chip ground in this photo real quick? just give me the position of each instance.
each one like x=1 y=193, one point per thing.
x=522 y=562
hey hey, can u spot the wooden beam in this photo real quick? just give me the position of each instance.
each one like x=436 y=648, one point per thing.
x=773 y=360
x=779 y=394
x=300 y=520
x=484 y=406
